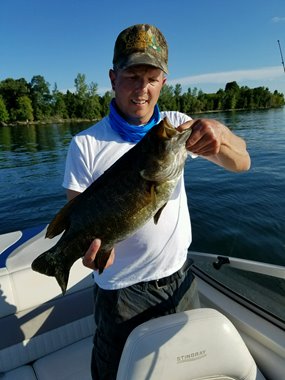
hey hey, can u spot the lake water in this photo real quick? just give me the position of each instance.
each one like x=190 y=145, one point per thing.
x=240 y=215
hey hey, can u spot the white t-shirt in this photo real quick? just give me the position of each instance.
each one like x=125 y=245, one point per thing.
x=153 y=251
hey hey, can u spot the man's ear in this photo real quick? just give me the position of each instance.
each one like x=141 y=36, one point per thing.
x=112 y=76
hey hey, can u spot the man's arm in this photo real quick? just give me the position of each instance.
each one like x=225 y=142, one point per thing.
x=70 y=194
x=215 y=142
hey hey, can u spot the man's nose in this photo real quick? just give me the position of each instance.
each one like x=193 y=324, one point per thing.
x=141 y=84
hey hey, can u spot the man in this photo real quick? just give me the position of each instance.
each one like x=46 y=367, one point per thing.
x=148 y=274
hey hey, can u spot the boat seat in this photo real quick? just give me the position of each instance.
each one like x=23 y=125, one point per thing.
x=35 y=319
x=22 y=373
x=69 y=363
x=196 y=344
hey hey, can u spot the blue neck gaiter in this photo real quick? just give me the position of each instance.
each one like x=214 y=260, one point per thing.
x=128 y=132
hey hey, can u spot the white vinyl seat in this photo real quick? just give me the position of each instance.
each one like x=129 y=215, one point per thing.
x=43 y=335
x=69 y=363
x=22 y=373
x=192 y=345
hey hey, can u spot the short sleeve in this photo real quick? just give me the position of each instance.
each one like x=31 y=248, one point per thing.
x=77 y=175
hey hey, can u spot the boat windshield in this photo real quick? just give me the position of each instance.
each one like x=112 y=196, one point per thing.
x=264 y=293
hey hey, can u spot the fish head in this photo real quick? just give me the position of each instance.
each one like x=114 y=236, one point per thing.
x=164 y=152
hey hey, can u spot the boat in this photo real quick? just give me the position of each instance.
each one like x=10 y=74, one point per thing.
x=48 y=336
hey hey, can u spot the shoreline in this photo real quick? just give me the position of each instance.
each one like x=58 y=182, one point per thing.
x=49 y=121
x=77 y=121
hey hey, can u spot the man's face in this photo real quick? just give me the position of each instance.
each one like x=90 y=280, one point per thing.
x=137 y=90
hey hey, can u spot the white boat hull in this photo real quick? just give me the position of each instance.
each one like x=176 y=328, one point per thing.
x=47 y=336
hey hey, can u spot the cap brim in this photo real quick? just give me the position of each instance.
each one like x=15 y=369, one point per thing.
x=142 y=59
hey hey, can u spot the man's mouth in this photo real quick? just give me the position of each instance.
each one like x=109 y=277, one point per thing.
x=139 y=102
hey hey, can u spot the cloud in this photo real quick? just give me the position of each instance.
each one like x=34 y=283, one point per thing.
x=268 y=73
x=278 y=19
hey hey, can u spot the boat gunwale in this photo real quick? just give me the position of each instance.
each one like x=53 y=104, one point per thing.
x=240 y=299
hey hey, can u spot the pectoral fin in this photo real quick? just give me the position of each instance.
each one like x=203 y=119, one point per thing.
x=158 y=213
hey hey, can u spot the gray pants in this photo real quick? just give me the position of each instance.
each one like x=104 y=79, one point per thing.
x=118 y=312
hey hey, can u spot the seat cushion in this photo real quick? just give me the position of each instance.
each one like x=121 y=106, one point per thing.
x=195 y=344
x=22 y=373
x=69 y=363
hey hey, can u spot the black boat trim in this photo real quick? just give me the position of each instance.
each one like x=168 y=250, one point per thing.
x=257 y=309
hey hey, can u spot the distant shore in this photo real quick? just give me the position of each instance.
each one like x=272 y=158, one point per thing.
x=48 y=121
x=76 y=120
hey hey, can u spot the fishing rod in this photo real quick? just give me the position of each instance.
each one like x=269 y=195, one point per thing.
x=282 y=60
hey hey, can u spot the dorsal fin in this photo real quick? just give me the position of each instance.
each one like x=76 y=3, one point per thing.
x=61 y=221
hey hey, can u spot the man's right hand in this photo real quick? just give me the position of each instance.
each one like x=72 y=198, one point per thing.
x=89 y=257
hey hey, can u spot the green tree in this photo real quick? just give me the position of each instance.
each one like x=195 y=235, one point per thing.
x=91 y=108
x=186 y=102
x=80 y=95
x=177 y=96
x=277 y=99
x=24 y=109
x=245 y=99
x=105 y=101
x=92 y=105
x=218 y=100
x=232 y=86
x=166 y=100
x=261 y=97
x=207 y=101
x=231 y=96
x=11 y=90
x=71 y=102
x=4 y=115
x=81 y=88
x=59 y=109
x=87 y=101
x=41 y=97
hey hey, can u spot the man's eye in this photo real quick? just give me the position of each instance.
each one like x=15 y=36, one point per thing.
x=153 y=81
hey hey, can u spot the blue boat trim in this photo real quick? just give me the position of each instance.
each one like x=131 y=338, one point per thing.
x=27 y=234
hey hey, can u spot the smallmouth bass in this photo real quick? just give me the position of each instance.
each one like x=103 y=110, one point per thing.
x=133 y=190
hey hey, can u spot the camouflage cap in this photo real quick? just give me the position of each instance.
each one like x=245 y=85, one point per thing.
x=141 y=44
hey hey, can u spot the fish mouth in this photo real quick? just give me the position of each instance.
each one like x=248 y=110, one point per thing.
x=167 y=131
x=167 y=164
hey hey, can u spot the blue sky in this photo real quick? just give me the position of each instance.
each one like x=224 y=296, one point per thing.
x=211 y=42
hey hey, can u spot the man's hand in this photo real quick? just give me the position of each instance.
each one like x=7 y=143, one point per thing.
x=207 y=136
x=89 y=257
x=214 y=141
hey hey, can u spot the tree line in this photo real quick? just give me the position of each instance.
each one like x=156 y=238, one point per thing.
x=233 y=97
x=22 y=101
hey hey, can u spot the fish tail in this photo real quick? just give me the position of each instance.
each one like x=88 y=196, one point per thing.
x=50 y=264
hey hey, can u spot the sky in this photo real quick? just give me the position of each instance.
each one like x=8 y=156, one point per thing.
x=211 y=42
